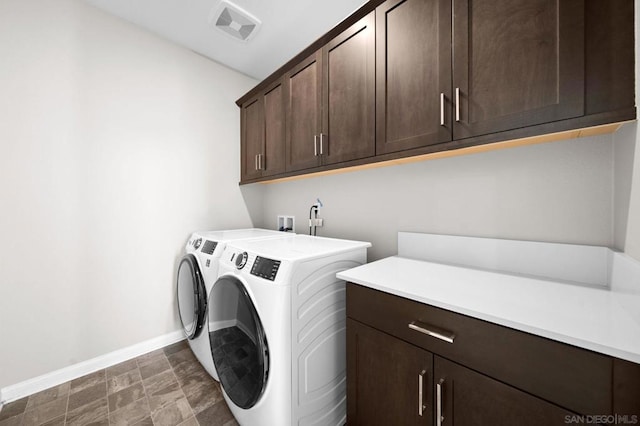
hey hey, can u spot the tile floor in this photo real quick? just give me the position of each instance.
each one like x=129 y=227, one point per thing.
x=166 y=387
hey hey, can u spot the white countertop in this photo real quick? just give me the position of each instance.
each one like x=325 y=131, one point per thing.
x=598 y=319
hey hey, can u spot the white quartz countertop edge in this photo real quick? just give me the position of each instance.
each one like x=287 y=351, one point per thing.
x=591 y=318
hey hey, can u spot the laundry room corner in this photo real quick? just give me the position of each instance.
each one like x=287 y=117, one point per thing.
x=116 y=146
x=253 y=196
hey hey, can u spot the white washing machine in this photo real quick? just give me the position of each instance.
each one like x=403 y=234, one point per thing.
x=277 y=325
x=197 y=271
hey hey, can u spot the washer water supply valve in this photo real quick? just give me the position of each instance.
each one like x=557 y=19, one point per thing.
x=315 y=221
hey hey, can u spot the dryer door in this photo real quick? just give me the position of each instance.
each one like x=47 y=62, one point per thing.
x=191 y=295
x=238 y=342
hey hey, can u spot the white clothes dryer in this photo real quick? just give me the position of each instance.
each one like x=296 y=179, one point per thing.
x=197 y=271
x=277 y=326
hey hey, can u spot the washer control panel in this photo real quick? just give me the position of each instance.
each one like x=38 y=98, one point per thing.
x=265 y=268
x=208 y=247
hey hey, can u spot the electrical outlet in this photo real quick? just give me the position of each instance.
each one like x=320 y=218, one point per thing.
x=286 y=223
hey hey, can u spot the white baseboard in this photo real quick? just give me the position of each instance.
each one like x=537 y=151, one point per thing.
x=58 y=377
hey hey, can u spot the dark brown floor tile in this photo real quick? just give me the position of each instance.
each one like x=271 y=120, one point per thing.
x=121 y=368
x=189 y=422
x=145 y=422
x=45 y=412
x=163 y=387
x=173 y=414
x=193 y=382
x=87 y=381
x=95 y=412
x=199 y=378
x=12 y=421
x=87 y=395
x=202 y=397
x=150 y=357
x=184 y=370
x=58 y=421
x=131 y=414
x=216 y=415
x=160 y=381
x=126 y=396
x=176 y=347
x=103 y=422
x=13 y=408
x=154 y=368
x=165 y=397
x=123 y=381
x=181 y=356
x=48 y=395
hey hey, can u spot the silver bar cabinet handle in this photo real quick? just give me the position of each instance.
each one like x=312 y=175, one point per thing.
x=439 y=416
x=432 y=331
x=421 y=406
x=255 y=163
x=315 y=145
x=321 y=142
x=442 y=109
x=457 y=104
x=259 y=161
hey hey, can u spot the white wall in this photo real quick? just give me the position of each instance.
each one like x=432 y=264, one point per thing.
x=556 y=192
x=115 y=146
x=629 y=201
x=624 y=158
x=627 y=175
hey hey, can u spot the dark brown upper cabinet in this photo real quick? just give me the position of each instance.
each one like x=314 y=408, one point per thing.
x=415 y=78
x=252 y=137
x=413 y=42
x=331 y=101
x=304 y=113
x=516 y=63
x=263 y=134
x=348 y=115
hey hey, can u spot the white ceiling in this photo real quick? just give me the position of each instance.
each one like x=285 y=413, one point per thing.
x=288 y=26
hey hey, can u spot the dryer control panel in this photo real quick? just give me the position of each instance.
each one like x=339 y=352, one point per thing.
x=265 y=268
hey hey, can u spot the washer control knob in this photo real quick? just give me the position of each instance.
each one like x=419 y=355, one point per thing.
x=197 y=243
x=241 y=259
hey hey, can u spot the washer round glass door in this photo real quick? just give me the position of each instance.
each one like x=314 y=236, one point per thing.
x=192 y=297
x=238 y=342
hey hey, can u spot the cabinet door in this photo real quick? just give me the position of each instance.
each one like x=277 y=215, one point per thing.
x=517 y=63
x=274 y=136
x=349 y=94
x=252 y=138
x=383 y=379
x=304 y=113
x=413 y=73
x=468 y=398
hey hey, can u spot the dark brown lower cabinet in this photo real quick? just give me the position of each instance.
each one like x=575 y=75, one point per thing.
x=467 y=398
x=392 y=382
x=410 y=363
x=388 y=380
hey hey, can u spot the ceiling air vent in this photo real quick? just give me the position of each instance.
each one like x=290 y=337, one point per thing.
x=234 y=21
